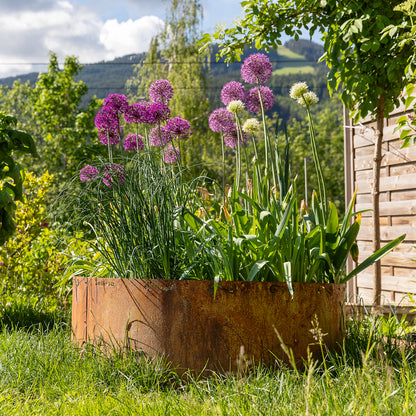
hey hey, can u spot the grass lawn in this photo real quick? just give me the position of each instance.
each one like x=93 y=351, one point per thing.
x=294 y=69
x=42 y=373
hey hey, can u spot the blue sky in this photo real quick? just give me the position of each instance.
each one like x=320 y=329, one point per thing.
x=90 y=29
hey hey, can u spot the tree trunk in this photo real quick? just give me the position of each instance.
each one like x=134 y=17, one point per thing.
x=375 y=193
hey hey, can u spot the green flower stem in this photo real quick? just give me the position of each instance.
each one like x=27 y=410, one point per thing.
x=256 y=172
x=317 y=163
x=240 y=138
x=267 y=147
x=223 y=167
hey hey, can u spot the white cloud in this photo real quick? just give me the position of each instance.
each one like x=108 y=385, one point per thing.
x=68 y=29
x=132 y=36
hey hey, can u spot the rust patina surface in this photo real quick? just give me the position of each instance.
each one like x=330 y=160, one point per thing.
x=183 y=321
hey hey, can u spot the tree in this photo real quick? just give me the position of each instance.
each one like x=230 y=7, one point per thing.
x=173 y=55
x=63 y=128
x=369 y=67
x=12 y=142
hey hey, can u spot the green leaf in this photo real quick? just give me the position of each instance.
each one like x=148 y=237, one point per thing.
x=408 y=102
x=409 y=90
x=287 y=265
x=404 y=133
x=358 y=24
x=257 y=266
x=379 y=254
x=332 y=224
x=408 y=141
x=346 y=243
x=348 y=215
x=284 y=221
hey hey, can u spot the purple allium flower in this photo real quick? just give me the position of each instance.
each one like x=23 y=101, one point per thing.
x=231 y=138
x=253 y=99
x=178 y=128
x=221 y=120
x=106 y=118
x=157 y=112
x=158 y=136
x=137 y=113
x=161 y=91
x=171 y=154
x=44 y=224
x=109 y=135
x=257 y=68
x=117 y=102
x=113 y=173
x=232 y=91
x=133 y=142
x=88 y=173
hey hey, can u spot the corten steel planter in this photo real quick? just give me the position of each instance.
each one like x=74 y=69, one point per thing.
x=183 y=322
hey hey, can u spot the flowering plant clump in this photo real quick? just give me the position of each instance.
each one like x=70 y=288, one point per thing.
x=151 y=224
x=261 y=232
x=132 y=199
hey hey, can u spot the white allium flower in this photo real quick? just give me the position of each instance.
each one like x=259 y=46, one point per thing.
x=298 y=89
x=235 y=106
x=252 y=125
x=308 y=99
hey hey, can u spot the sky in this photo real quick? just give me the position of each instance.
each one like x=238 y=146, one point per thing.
x=92 y=30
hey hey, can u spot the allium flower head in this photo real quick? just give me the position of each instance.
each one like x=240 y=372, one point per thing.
x=161 y=91
x=88 y=173
x=221 y=120
x=118 y=102
x=298 y=89
x=308 y=99
x=256 y=68
x=137 y=113
x=231 y=138
x=113 y=173
x=106 y=118
x=109 y=136
x=171 y=154
x=157 y=112
x=231 y=91
x=133 y=142
x=235 y=107
x=178 y=128
x=158 y=136
x=253 y=99
x=252 y=125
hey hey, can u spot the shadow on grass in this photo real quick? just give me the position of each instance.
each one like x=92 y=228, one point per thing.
x=20 y=316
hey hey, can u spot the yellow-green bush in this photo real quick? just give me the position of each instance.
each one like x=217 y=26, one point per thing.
x=33 y=261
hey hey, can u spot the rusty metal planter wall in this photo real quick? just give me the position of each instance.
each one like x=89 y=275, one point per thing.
x=183 y=321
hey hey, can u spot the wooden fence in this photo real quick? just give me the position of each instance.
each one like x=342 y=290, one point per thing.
x=397 y=208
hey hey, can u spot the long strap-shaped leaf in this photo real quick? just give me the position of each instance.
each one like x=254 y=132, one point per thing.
x=375 y=257
x=283 y=223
